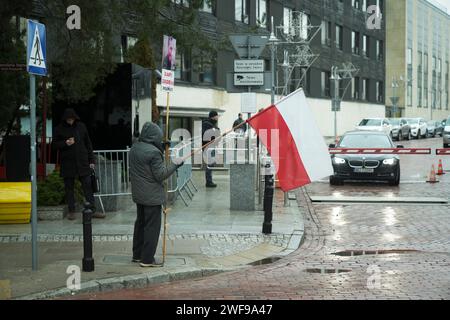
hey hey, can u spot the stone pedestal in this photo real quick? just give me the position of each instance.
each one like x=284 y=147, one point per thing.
x=242 y=187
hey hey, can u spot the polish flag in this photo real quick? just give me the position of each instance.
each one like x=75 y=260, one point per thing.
x=300 y=155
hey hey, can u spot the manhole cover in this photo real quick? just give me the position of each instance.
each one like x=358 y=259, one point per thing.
x=324 y=270
x=265 y=261
x=351 y=253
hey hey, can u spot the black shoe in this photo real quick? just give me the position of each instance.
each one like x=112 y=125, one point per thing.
x=211 y=185
x=154 y=264
x=136 y=260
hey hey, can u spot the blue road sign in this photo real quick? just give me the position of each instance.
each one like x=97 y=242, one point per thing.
x=36 y=49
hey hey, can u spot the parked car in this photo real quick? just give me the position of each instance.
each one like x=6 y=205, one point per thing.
x=400 y=129
x=372 y=167
x=434 y=128
x=418 y=127
x=375 y=124
x=446 y=134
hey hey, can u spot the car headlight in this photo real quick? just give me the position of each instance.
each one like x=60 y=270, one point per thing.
x=339 y=160
x=389 y=162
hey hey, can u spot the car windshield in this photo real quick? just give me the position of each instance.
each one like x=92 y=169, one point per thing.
x=413 y=121
x=365 y=141
x=370 y=122
x=395 y=122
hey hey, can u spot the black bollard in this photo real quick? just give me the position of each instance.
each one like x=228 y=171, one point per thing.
x=268 y=201
x=88 y=260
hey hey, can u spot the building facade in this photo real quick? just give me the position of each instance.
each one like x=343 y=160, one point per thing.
x=418 y=56
x=342 y=37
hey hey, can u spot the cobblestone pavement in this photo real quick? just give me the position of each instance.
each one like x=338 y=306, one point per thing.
x=350 y=251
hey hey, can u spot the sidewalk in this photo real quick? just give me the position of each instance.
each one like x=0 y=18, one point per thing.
x=203 y=238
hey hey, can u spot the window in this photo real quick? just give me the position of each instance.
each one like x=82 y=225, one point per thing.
x=365 y=89
x=356 y=4
x=241 y=10
x=207 y=6
x=409 y=94
x=355 y=42
x=183 y=70
x=304 y=25
x=261 y=13
x=325 y=84
x=355 y=88
x=380 y=50
x=181 y=2
x=206 y=71
x=127 y=43
x=380 y=90
x=339 y=35
x=287 y=19
x=326 y=37
x=364 y=5
x=366 y=47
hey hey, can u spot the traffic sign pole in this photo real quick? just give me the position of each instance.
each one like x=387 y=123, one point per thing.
x=33 y=172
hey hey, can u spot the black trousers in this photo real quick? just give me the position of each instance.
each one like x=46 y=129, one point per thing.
x=146 y=232
x=69 y=184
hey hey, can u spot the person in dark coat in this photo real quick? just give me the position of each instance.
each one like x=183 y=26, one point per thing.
x=210 y=131
x=239 y=120
x=72 y=140
x=147 y=173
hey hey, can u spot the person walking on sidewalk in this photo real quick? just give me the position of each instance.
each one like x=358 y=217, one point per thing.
x=147 y=173
x=242 y=129
x=72 y=140
x=210 y=131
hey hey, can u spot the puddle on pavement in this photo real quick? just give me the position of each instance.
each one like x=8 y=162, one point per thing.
x=265 y=261
x=352 y=253
x=323 y=270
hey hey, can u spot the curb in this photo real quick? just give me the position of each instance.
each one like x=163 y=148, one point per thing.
x=129 y=282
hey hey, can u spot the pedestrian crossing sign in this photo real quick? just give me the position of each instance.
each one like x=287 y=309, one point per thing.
x=36 y=49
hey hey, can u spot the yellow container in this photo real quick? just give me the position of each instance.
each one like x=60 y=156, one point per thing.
x=15 y=202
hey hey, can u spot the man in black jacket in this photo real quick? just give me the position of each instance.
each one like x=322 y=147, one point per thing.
x=210 y=131
x=72 y=140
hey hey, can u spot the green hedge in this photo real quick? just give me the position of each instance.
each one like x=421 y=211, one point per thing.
x=51 y=192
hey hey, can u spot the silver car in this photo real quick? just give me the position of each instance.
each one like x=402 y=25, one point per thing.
x=446 y=134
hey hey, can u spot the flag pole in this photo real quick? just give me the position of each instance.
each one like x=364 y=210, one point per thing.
x=166 y=209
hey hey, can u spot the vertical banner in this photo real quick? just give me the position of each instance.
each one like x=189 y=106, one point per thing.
x=168 y=63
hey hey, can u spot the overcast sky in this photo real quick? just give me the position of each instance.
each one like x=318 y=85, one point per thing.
x=445 y=3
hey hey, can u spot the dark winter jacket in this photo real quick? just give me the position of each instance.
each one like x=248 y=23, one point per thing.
x=209 y=125
x=75 y=159
x=238 y=122
x=147 y=168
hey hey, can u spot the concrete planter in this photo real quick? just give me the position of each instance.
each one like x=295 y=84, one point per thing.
x=50 y=213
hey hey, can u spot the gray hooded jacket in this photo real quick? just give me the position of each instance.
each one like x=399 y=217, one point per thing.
x=147 y=168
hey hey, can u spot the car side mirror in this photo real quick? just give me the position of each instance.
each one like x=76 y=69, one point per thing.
x=400 y=146
x=332 y=146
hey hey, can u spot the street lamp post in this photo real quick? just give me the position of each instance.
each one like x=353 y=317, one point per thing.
x=336 y=99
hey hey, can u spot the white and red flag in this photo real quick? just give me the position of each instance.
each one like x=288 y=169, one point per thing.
x=300 y=154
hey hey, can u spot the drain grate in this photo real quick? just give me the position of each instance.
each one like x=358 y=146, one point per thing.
x=351 y=253
x=265 y=261
x=323 y=270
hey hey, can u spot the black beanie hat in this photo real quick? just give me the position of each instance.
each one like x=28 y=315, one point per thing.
x=212 y=114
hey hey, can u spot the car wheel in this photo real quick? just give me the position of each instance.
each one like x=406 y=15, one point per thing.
x=445 y=145
x=419 y=135
x=396 y=181
x=336 y=181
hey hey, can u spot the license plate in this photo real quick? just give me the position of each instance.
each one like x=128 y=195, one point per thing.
x=364 y=170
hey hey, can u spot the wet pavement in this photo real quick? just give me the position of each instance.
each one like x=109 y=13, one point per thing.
x=350 y=251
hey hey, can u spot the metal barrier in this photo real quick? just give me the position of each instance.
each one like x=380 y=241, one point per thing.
x=443 y=152
x=182 y=180
x=113 y=172
x=407 y=151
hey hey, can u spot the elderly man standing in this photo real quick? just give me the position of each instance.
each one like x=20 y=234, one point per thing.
x=147 y=173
